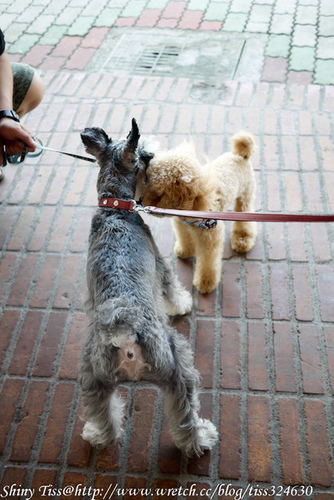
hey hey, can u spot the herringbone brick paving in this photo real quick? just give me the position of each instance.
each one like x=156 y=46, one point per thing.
x=263 y=341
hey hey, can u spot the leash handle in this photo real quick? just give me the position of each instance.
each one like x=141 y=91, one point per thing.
x=39 y=145
x=86 y=158
x=241 y=216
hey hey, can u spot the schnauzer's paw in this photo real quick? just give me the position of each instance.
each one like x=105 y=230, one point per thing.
x=93 y=435
x=207 y=434
x=183 y=252
x=206 y=283
x=243 y=240
x=182 y=304
x=204 y=437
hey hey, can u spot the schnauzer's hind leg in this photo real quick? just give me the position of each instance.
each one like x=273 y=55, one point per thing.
x=177 y=300
x=193 y=435
x=103 y=414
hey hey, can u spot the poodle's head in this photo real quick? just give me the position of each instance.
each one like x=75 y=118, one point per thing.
x=175 y=179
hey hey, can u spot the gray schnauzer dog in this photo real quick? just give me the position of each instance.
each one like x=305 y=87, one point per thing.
x=131 y=291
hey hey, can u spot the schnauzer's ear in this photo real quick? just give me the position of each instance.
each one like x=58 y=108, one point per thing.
x=95 y=140
x=130 y=147
x=133 y=136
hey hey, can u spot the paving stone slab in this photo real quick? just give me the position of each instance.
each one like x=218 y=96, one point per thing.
x=325 y=47
x=324 y=72
x=304 y=35
x=302 y=58
x=278 y=46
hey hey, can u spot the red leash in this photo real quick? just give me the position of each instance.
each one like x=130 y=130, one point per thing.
x=226 y=216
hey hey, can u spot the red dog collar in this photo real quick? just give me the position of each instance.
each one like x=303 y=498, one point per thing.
x=117 y=203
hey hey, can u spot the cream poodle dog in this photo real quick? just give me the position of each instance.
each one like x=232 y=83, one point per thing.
x=175 y=179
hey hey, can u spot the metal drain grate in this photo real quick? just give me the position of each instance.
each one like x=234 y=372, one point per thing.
x=209 y=57
x=142 y=55
x=154 y=61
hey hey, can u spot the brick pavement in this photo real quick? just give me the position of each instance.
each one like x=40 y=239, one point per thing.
x=263 y=341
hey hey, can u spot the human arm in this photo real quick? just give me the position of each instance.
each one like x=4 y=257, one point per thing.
x=12 y=133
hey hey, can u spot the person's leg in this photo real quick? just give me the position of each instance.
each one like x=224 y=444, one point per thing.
x=28 y=88
x=28 y=91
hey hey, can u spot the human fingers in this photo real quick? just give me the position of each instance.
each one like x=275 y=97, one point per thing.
x=14 y=131
x=30 y=142
x=14 y=147
x=26 y=138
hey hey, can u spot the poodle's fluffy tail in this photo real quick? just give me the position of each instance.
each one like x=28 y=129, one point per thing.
x=243 y=144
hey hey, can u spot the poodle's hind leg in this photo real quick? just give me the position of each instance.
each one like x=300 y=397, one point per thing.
x=243 y=233
x=184 y=246
x=191 y=434
x=209 y=255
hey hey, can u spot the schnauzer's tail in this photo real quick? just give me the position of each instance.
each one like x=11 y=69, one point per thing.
x=243 y=144
x=117 y=317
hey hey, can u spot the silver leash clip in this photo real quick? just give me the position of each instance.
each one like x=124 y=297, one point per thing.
x=137 y=207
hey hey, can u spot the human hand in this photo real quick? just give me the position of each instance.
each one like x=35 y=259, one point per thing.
x=13 y=134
